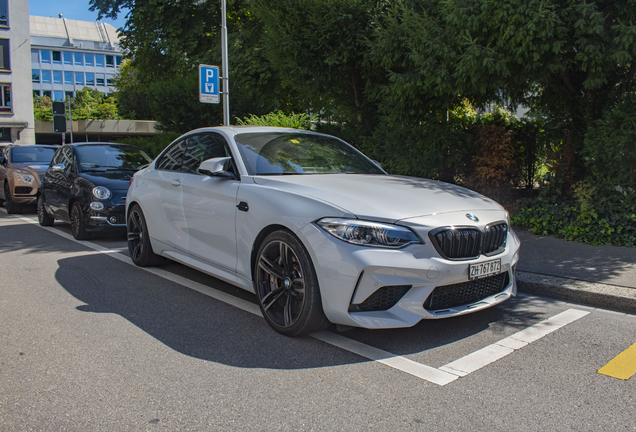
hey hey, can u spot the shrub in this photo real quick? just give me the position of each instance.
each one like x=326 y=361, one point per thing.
x=278 y=118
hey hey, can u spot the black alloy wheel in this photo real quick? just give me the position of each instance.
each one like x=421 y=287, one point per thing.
x=139 y=246
x=287 y=286
x=78 y=226
x=44 y=217
x=12 y=207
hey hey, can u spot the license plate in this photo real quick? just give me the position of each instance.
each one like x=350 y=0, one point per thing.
x=484 y=269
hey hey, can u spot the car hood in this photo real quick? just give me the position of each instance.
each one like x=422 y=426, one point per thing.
x=33 y=167
x=114 y=180
x=382 y=197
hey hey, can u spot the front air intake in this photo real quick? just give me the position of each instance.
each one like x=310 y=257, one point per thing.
x=382 y=299
x=465 y=293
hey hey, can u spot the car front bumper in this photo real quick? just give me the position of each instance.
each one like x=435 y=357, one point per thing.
x=348 y=275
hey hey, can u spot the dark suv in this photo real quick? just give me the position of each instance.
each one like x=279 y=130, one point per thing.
x=86 y=185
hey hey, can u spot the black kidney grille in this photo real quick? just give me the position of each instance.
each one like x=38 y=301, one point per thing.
x=466 y=242
x=457 y=243
x=382 y=299
x=449 y=296
x=495 y=238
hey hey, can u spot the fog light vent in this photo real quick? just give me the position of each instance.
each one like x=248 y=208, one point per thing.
x=112 y=219
x=382 y=299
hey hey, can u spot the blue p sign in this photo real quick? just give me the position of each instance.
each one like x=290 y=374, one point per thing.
x=208 y=84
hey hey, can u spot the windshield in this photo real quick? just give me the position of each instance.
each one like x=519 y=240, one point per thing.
x=278 y=153
x=111 y=158
x=32 y=155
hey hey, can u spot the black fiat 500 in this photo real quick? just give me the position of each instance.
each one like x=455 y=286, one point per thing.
x=86 y=185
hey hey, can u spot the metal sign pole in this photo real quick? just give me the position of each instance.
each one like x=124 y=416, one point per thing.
x=225 y=77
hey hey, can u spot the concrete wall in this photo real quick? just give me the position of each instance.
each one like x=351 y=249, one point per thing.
x=21 y=119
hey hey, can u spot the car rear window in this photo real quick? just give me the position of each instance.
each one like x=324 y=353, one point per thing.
x=39 y=155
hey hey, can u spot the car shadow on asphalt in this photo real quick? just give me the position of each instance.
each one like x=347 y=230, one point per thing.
x=199 y=326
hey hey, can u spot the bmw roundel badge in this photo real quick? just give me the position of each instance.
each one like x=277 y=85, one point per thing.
x=472 y=217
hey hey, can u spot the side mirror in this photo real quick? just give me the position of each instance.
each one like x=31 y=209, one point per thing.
x=57 y=168
x=377 y=163
x=215 y=167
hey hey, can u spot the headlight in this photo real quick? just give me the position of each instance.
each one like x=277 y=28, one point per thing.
x=17 y=176
x=100 y=192
x=366 y=233
x=28 y=179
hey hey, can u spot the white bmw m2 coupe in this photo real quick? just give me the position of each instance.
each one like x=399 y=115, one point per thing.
x=318 y=231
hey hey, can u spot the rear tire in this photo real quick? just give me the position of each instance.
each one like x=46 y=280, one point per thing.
x=78 y=226
x=12 y=208
x=139 y=246
x=287 y=286
x=44 y=217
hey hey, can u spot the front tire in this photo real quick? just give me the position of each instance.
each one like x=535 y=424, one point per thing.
x=287 y=286
x=12 y=208
x=44 y=217
x=78 y=226
x=139 y=245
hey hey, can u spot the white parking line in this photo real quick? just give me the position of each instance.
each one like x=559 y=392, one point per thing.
x=494 y=352
x=440 y=376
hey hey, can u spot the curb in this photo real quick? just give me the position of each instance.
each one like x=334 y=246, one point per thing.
x=589 y=293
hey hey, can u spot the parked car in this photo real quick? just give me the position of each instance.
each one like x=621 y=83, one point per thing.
x=21 y=168
x=86 y=185
x=318 y=231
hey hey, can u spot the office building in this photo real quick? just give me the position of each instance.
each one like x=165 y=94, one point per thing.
x=16 y=100
x=68 y=55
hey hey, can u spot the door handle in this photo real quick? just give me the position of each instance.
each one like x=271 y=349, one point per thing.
x=176 y=183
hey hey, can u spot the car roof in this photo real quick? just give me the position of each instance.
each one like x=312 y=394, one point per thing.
x=233 y=130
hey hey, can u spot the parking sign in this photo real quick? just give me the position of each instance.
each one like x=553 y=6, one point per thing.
x=208 y=84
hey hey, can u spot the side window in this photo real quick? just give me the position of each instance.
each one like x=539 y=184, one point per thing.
x=202 y=147
x=67 y=158
x=58 y=158
x=171 y=159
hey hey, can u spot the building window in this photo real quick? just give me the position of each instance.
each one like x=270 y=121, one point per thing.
x=35 y=75
x=46 y=77
x=90 y=78
x=46 y=93
x=79 y=59
x=68 y=77
x=69 y=94
x=4 y=55
x=68 y=57
x=88 y=59
x=45 y=56
x=118 y=61
x=99 y=60
x=4 y=13
x=110 y=61
x=79 y=78
x=57 y=57
x=5 y=134
x=57 y=77
x=110 y=81
x=36 y=93
x=58 y=95
x=35 y=56
x=99 y=79
x=5 y=104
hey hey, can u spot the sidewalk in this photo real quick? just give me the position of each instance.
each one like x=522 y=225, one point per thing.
x=603 y=276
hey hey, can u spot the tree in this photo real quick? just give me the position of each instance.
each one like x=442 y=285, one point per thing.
x=568 y=60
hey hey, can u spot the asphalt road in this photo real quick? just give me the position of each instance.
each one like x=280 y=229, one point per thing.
x=89 y=342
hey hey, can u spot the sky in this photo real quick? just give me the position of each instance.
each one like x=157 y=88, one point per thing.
x=71 y=9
